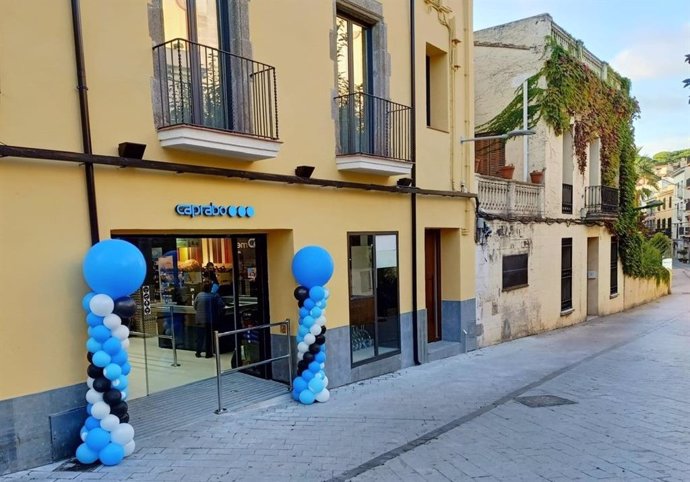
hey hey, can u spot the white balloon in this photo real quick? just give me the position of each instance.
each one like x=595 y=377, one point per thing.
x=101 y=305
x=321 y=320
x=109 y=422
x=115 y=382
x=123 y=395
x=83 y=433
x=309 y=338
x=302 y=347
x=325 y=381
x=89 y=382
x=315 y=329
x=129 y=448
x=326 y=293
x=121 y=332
x=92 y=396
x=300 y=355
x=100 y=410
x=323 y=395
x=112 y=321
x=125 y=342
x=323 y=365
x=122 y=434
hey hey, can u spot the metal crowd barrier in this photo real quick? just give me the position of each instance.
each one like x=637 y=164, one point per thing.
x=216 y=346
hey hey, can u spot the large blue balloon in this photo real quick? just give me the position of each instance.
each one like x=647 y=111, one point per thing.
x=299 y=384
x=112 y=454
x=85 y=455
x=312 y=266
x=307 y=397
x=97 y=439
x=114 y=267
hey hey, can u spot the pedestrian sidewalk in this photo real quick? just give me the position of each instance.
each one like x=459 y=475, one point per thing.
x=379 y=429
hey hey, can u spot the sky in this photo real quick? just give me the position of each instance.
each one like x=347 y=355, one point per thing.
x=644 y=40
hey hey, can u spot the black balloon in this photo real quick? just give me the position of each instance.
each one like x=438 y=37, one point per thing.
x=89 y=356
x=308 y=357
x=302 y=364
x=300 y=303
x=320 y=340
x=301 y=293
x=314 y=348
x=125 y=307
x=111 y=397
x=119 y=409
x=323 y=330
x=124 y=418
x=101 y=384
x=94 y=372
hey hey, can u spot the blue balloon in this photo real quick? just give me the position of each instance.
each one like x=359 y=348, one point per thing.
x=112 y=454
x=309 y=303
x=112 y=371
x=323 y=348
x=303 y=330
x=92 y=345
x=112 y=345
x=317 y=293
x=312 y=266
x=315 y=367
x=315 y=312
x=85 y=455
x=114 y=267
x=100 y=333
x=97 y=439
x=320 y=357
x=307 y=375
x=295 y=395
x=307 y=397
x=299 y=384
x=308 y=322
x=120 y=357
x=89 y=406
x=91 y=423
x=126 y=368
x=124 y=381
x=316 y=385
x=86 y=300
x=299 y=338
x=94 y=320
x=321 y=304
x=303 y=312
x=100 y=359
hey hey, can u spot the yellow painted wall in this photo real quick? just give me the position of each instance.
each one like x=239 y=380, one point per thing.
x=44 y=231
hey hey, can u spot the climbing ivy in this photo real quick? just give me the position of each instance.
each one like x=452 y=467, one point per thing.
x=566 y=93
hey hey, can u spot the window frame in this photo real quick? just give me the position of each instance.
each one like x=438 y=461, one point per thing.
x=613 y=281
x=377 y=356
x=566 y=274
x=525 y=270
x=490 y=154
x=367 y=55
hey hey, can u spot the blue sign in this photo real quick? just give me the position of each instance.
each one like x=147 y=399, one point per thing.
x=194 y=210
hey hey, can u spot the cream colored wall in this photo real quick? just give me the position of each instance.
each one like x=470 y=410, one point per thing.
x=45 y=234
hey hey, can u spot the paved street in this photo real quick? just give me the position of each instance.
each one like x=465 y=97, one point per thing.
x=457 y=419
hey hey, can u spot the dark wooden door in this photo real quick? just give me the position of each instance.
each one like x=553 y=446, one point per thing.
x=432 y=282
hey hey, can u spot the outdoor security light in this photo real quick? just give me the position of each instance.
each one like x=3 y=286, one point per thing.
x=131 y=150
x=507 y=135
x=304 y=171
x=404 y=182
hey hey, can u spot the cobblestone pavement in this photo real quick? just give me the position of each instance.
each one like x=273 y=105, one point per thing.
x=457 y=419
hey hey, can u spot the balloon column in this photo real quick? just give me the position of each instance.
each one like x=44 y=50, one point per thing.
x=312 y=267
x=113 y=269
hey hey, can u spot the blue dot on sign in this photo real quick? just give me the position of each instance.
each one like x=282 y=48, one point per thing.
x=232 y=211
x=250 y=211
x=241 y=211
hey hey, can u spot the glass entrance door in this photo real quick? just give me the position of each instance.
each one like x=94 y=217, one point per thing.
x=170 y=344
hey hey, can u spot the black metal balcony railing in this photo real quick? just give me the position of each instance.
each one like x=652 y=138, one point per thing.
x=601 y=200
x=567 y=199
x=206 y=87
x=373 y=126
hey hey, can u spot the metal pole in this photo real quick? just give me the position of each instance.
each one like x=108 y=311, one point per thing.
x=525 y=140
x=464 y=345
x=289 y=359
x=216 y=346
x=174 y=344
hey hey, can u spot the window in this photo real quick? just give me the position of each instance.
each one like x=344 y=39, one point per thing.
x=614 y=265
x=566 y=274
x=374 y=296
x=436 y=88
x=489 y=156
x=515 y=271
x=353 y=53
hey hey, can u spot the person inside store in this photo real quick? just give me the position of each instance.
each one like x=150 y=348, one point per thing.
x=209 y=308
x=210 y=273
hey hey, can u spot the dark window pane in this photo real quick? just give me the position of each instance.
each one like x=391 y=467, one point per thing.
x=515 y=270
x=566 y=273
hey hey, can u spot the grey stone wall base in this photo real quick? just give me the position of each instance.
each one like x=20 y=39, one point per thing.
x=279 y=347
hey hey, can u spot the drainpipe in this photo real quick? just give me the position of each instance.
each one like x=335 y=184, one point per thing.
x=85 y=123
x=413 y=196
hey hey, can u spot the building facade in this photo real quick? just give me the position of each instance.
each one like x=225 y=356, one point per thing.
x=545 y=258
x=260 y=138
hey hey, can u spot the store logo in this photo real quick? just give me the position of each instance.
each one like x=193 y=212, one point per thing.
x=194 y=210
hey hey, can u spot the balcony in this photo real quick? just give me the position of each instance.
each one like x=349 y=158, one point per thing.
x=373 y=135
x=214 y=102
x=510 y=198
x=601 y=202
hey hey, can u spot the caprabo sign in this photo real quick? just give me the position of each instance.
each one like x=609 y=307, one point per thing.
x=212 y=210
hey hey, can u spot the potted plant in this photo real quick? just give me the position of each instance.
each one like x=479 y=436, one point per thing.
x=537 y=176
x=506 y=172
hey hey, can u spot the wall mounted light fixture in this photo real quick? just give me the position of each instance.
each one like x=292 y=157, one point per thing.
x=131 y=150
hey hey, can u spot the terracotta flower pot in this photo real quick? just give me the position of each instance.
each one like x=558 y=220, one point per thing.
x=536 y=176
x=506 y=172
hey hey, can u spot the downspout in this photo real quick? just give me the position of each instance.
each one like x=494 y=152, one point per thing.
x=413 y=196
x=85 y=123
